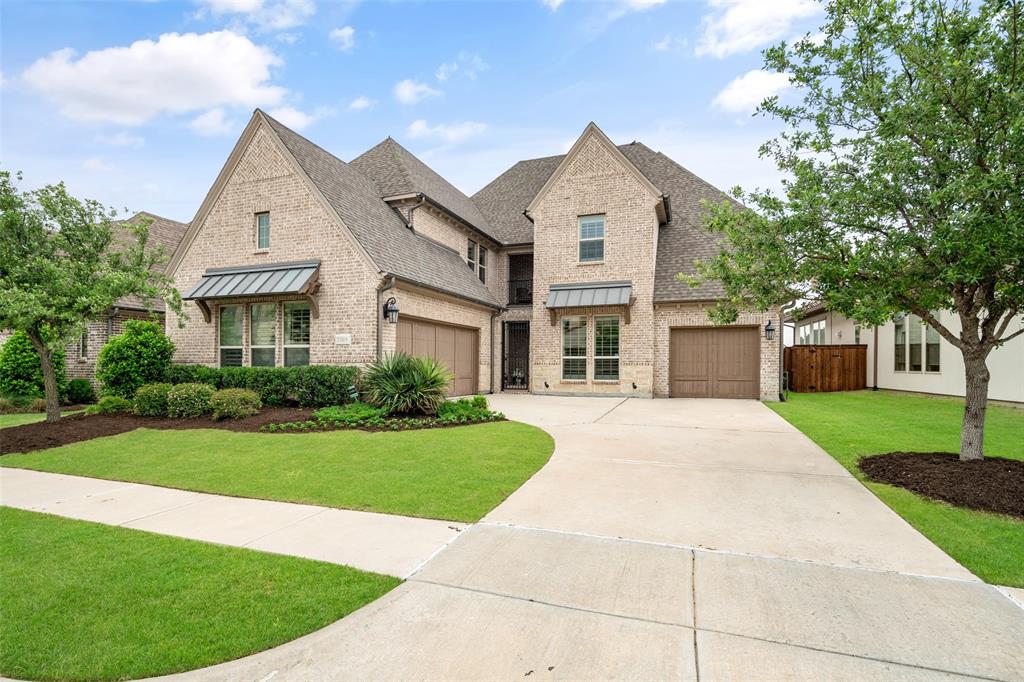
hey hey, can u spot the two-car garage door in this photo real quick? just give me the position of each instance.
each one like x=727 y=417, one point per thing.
x=722 y=362
x=457 y=347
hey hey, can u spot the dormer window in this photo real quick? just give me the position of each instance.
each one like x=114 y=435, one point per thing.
x=471 y=254
x=262 y=231
x=481 y=269
x=591 y=248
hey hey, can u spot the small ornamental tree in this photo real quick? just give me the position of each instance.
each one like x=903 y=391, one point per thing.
x=139 y=355
x=904 y=189
x=60 y=268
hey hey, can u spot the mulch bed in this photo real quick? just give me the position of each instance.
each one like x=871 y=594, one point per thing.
x=992 y=484
x=79 y=427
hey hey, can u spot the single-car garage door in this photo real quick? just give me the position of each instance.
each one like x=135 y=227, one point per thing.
x=722 y=362
x=456 y=347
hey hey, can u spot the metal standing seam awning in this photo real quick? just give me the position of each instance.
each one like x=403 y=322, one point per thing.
x=590 y=295
x=274 y=279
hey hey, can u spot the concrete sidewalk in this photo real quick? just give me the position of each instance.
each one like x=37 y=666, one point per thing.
x=384 y=543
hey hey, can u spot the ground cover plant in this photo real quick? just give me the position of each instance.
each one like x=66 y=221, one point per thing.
x=367 y=417
x=85 y=601
x=457 y=474
x=850 y=426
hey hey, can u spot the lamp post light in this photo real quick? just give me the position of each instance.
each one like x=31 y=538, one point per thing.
x=391 y=310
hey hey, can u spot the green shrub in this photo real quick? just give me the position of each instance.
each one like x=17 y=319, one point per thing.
x=186 y=401
x=471 y=408
x=193 y=374
x=401 y=384
x=235 y=403
x=110 y=404
x=80 y=392
x=151 y=400
x=352 y=414
x=306 y=386
x=141 y=354
x=21 y=375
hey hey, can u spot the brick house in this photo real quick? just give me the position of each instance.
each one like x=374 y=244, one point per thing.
x=81 y=354
x=557 y=277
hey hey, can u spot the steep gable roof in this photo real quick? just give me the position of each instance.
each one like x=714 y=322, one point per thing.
x=681 y=240
x=162 y=231
x=393 y=247
x=398 y=171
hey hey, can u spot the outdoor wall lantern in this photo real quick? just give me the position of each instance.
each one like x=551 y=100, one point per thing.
x=769 y=331
x=391 y=310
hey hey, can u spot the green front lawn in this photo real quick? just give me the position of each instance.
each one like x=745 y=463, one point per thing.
x=851 y=425
x=19 y=418
x=85 y=601
x=458 y=474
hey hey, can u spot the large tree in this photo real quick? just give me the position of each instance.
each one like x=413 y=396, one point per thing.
x=903 y=157
x=63 y=263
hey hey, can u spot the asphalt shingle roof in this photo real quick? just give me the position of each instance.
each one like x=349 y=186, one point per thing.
x=394 y=248
x=680 y=241
x=397 y=171
x=161 y=231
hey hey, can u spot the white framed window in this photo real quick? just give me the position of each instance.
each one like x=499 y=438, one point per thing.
x=296 y=333
x=481 y=268
x=83 y=346
x=811 y=333
x=471 y=254
x=262 y=230
x=916 y=346
x=574 y=348
x=606 y=348
x=263 y=334
x=231 y=321
x=932 y=361
x=900 y=344
x=591 y=243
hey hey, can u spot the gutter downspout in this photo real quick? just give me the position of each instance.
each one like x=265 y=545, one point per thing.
x=782 y=346
x=494 y=314
x=408 y=220
x=379 y=315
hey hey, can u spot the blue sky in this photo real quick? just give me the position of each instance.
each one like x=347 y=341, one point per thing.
x=137 y=104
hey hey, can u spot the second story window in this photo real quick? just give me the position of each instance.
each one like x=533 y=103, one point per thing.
x=471 y=254
x=262 y=230
x=591 y=239
x=482 y=266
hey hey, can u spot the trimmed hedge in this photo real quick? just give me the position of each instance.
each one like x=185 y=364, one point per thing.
x=139 y=355
x=306 y=386
x=151 y=400
x=110 y=404
x=186 y=401
x=234 y=403
x=80 y=392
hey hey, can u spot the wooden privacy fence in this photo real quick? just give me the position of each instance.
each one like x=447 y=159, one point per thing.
x=818 y=369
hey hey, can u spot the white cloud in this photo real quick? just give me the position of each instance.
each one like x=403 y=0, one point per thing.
x=410 y=92
x=213 y=122
x=641 y=5
x=745 y=92
x=121 y=140
x=468 y=64
x=361 y=102
x=266 y=15
x=97 y=165
x=178 y=73
x=669 y=42
x=742 y=25
x=553 y=4
x=293 y=118
x=450 y=133
x=287 y=38
x=445 y=71
x=344 y=38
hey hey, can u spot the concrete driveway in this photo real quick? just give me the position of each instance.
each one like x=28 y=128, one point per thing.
x=672 y=539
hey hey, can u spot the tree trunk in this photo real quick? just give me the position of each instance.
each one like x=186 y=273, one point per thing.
x=972 y=435
x=49 y=377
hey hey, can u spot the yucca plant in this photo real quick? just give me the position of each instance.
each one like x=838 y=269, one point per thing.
x=402 y=384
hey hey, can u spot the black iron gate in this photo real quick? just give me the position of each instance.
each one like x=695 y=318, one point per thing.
x=515 y=356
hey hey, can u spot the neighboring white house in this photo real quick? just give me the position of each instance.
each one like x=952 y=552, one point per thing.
x=911 y=356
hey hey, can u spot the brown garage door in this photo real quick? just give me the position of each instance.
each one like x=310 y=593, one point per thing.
x=714 y=363
x=454 y=346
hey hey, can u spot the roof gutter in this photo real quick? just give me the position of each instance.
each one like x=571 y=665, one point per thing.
x=666 y=201
x=439 y=290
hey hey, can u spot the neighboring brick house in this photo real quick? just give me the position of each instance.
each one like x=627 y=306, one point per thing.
x=81 y=354
x=557 y=277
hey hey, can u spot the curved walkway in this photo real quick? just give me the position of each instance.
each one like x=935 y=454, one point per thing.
x=693 y=540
